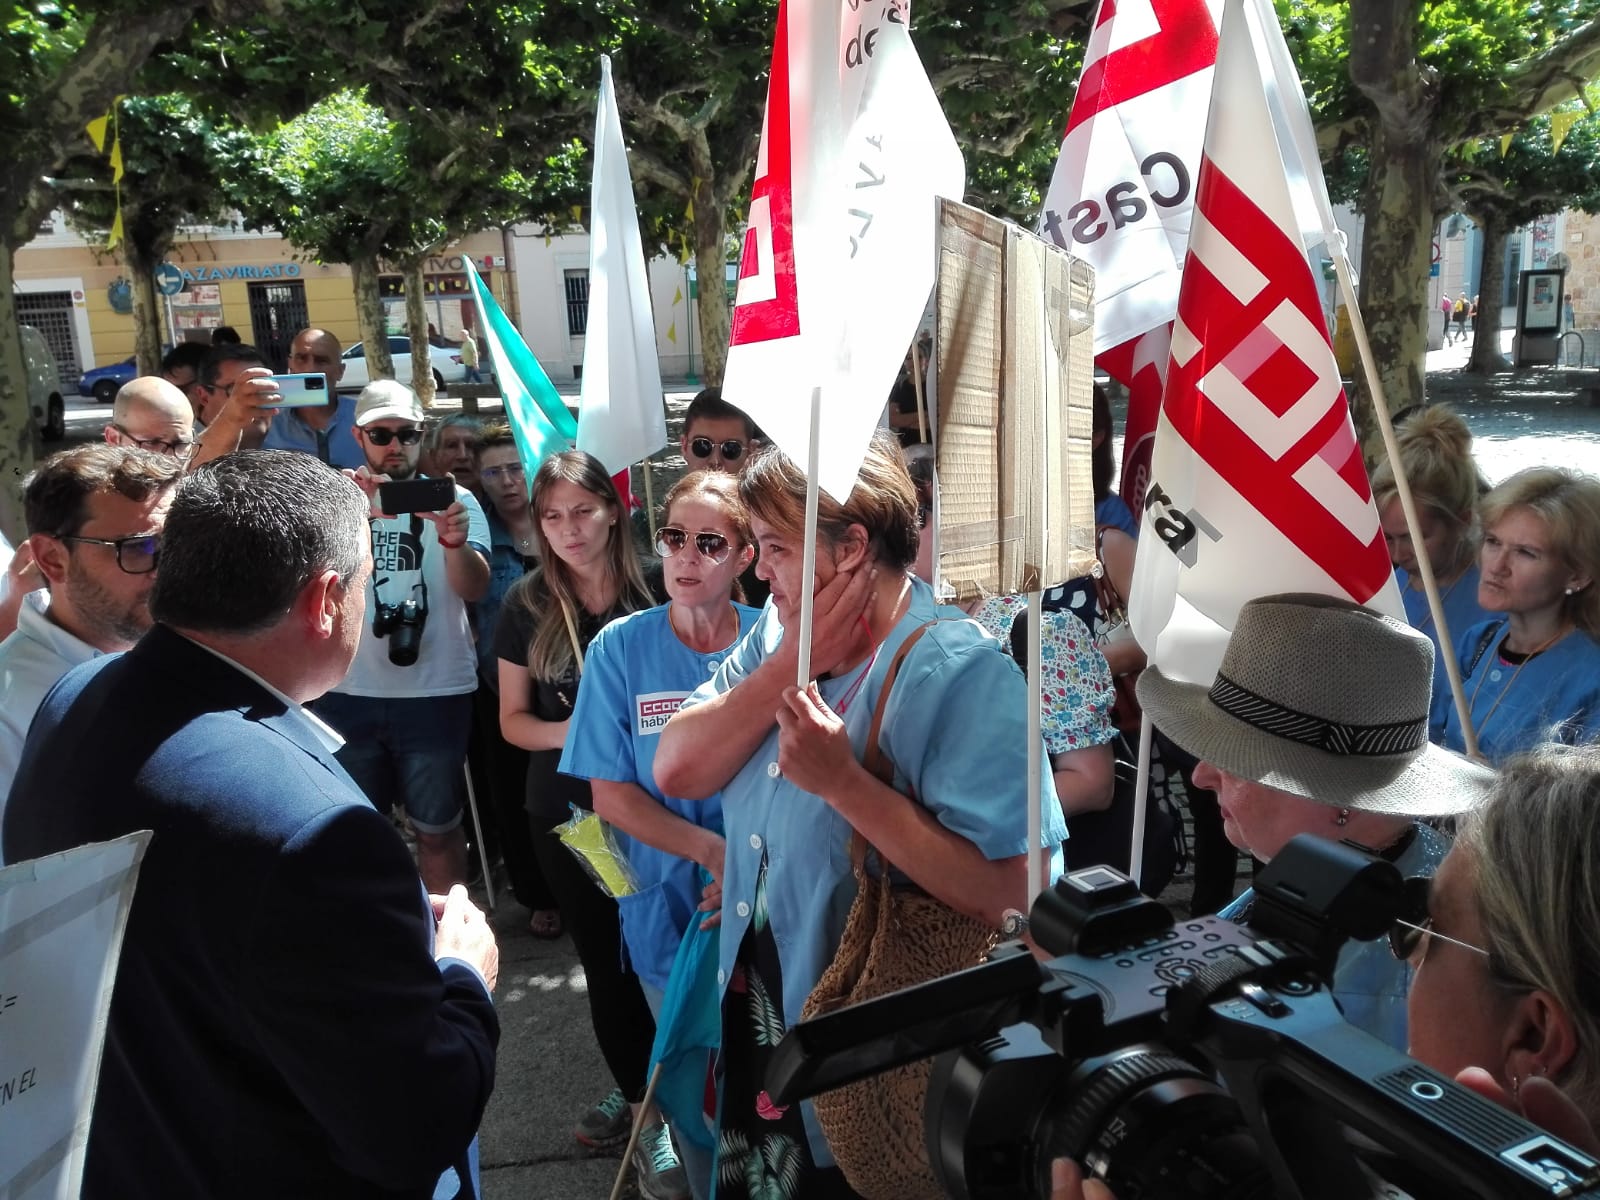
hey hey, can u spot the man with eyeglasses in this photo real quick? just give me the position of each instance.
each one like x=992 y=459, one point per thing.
x=717 y=436
x=405 y=706
x=94 y=515
x=153 y=415
x=328 y=431
x=180 y=367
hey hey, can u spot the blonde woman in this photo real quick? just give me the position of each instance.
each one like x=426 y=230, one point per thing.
x=588 y=575
x=1532 y=672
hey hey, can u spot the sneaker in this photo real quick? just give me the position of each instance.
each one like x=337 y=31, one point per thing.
x=656 y=1167
x=606 y=1124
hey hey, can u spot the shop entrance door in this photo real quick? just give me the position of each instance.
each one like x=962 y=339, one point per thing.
x=277 y=313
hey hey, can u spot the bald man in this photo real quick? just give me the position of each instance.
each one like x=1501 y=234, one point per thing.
x=152 y=414
x=327 y=431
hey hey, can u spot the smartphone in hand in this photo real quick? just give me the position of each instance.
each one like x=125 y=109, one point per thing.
x=415 y=495
x=301 y=391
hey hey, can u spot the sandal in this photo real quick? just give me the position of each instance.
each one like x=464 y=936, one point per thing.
x=545 y=923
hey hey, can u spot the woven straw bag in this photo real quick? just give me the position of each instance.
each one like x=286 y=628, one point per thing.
x=893 y=938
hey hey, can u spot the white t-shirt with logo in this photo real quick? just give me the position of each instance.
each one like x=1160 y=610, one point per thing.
x=446 y=664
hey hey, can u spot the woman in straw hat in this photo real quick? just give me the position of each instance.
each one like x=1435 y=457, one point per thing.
x=1318 y=723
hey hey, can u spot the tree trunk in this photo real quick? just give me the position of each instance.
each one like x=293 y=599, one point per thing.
x=1396 y=248
x=710 y=262
x=370 y=319
x=149 y=320
x=17 y=438
x=1486 y=358
x=417 y=327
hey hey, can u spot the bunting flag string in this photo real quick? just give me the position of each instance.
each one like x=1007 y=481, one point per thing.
x=1560 y=125
x=97 y=130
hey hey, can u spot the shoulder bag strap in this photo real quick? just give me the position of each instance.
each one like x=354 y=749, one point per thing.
x=875 y=760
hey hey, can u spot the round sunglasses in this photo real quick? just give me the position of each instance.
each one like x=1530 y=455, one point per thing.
x=702 y=447
x=671 y=540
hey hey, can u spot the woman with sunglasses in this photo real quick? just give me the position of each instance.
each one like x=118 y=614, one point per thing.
x=637 y=670
x=1505 y=948
x=794 y=790
x=588 y=575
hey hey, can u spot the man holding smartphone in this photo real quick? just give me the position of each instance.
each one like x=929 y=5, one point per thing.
x=405 y=706
x=328 y=430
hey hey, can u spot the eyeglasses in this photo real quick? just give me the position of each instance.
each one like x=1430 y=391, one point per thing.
x=177 y=448
x=1406 y=937
x=670 y=540
x=702 y=447
x=136 y=555
x=509 y=471
x=382 y=437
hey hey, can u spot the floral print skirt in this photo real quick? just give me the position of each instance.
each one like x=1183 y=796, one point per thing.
x=764 y=1154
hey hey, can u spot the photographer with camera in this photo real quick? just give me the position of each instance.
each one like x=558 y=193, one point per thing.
x=405 y=707
x=1504 y=948
x=1317 y=723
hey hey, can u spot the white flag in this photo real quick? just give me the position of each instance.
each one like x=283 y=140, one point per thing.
x=621 y=416
x=1257 y=483
x=838 y=257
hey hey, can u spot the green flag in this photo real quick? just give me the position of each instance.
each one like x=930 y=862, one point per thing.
x=539 y=418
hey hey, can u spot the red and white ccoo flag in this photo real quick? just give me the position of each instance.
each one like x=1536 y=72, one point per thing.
x=1257 y=483
x=838 y=255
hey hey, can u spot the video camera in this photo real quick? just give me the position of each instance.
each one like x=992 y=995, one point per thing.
x=1185 y=1059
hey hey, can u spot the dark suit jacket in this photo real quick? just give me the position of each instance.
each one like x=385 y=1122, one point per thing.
x=279 y=1026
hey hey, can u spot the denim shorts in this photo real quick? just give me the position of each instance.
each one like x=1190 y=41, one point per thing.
x=407 y=752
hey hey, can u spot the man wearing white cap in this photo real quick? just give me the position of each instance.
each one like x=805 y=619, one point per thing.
x=1317 y=723
x=405 y=707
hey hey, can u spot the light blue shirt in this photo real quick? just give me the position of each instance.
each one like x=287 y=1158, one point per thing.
x=1461 y=612
x=1369 y=982
x=1553 y=697
x=289 y=431
x=956 y=730
x=636 y=673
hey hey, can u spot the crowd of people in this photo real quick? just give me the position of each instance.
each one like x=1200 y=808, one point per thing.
x=291 y=675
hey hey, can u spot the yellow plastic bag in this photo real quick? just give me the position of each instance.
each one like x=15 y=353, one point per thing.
x=590 y=839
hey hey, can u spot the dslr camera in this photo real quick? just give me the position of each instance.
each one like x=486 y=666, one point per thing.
x=402 y=624
x=1191 y=1059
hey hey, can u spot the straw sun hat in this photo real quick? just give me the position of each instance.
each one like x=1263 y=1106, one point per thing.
x=1325 y=699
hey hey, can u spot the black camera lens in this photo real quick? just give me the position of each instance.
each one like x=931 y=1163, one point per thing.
x=405 y=639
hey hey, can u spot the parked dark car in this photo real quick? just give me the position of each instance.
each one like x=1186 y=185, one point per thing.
x=103 y=382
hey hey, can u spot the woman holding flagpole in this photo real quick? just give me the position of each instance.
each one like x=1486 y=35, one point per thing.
x=794 y=788
x=1436 y=460
x=1531 y=672
x=588 y=575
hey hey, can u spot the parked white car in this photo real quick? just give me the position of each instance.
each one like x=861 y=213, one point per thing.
x=44 y=385
x=445 y=360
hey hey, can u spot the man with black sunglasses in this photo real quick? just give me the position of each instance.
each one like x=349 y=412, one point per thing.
x=405 y=706
x=94 y=515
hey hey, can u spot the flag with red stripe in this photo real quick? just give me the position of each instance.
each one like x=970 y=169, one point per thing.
x=1257 y=484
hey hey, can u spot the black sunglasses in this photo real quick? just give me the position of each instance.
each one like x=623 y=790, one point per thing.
x=382 y=437
x=136 y=555
x=701 y=447
x=670 y=540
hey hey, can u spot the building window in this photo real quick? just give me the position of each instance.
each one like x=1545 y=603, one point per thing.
x=577 y=285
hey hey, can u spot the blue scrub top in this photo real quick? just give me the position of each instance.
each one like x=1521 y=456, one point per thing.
x=1461 y=612
x=1554 y=696
x=289 y=431
x=635 y=674
x=956 y=730
x=1113 y=510
x=1369 y=982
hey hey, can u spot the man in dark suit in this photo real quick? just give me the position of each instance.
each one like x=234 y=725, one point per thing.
x=286 y=1019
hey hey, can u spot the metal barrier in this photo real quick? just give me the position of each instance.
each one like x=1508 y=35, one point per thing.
x=1582 y=351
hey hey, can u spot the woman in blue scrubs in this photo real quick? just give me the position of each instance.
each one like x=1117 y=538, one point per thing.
x=788 y=764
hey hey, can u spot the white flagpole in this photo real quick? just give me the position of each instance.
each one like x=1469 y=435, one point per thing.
x=808 y=561
x=1141 y=799
x=1035 y=746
